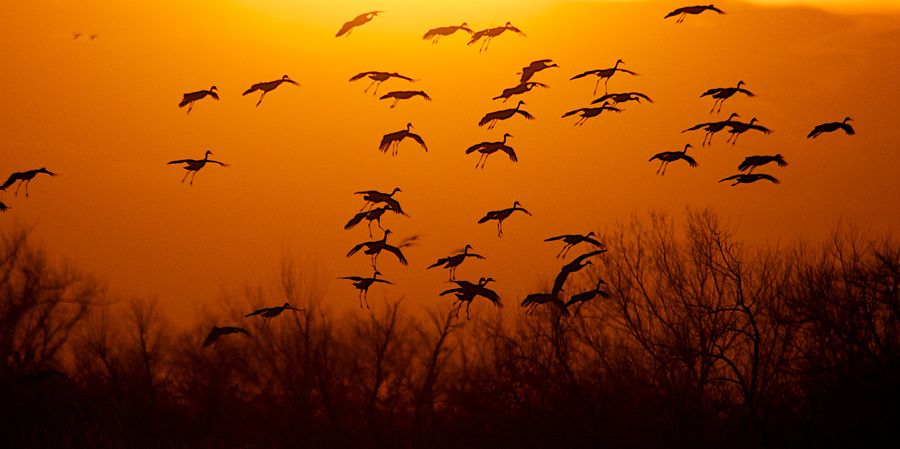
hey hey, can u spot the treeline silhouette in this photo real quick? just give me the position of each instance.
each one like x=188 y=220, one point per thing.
x=706 y=341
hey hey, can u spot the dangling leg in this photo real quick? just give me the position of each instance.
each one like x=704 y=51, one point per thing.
x=366 y=297
x=396 y=100
x=186 y=173
x=500 y=228
x=369 y=87
x=190 y=106
x=665 y=166
x=596 y=85
x=370 y=229
x=468 y=303
x=18 y=186
x=26 y=187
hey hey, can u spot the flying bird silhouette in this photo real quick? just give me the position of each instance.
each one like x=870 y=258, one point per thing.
x=189 y=98
x=268 y=86
x=583 y=297
x=378 y=78
x=398 y=95
x=501 y=215
x=670 y=156
x=521 y=88
x=488 y=148
x=369 y=215
x=392 y=140
x=587 y=113
x=738 y=128
x=435 y=34
x=267 y=313
x=373 y=197
x=720 y=94
x=491 y=118
x=622 y=98
x=571 y=240
x=711 y=128
x=749 y=178
x=361 y=19
x=536 y=66
x=832 y=127
x=604 y=75
x=532 y=301
x=752 y=162
x=467 y=292
x=194 y=165
x=451 y=262
x=24 y=177
x=683 y=12
x=490 y=33
x=375 y=247
x=572 y=267
x=218 y=332
x=362 y=284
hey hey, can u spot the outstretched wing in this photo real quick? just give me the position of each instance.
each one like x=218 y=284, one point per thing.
x=356 y=248
x=252 y=89
x=638 y=94
x=13 y=178
x=360 y=76
x=730 y=178
x=476 y=147
x=388 y=139
x=627 y=71
x=558 y=237
x=356 y=220
x=396 y=251
x=848 y=129
x=690 y=160
x=180 y=161
x=712 y=92
x=439 y=262
x=674 y=13
x=573 y=112
x=768 y=178
x=418 y=139
x=525 y=114
x=510 y=152
x=258 y=312
x=582 y=75
x=346 y=28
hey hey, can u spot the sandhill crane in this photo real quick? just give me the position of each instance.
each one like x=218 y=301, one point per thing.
x=94 y=36
x=3 y=207
x=194 y=165
x=572 y=267
x=467 y=291
x=748 y=178
x=589 y=295
x=268 y=86
x=490 y=33
x=831 y=127
x=378 y=78
x=712 y=128
x=532 y=301
x=435 y=34
x=370 y=216
x=267 y=313
x=587 y=113
x=521 y=88
x=488 y=148
x=398 y=95
x=373 y=197
x=189 y=98
x=752 y=162
x=622 y=98
x=75 y=36
x=571 y=240
x=375 y=247
x=361 y=19
x=362 y=284
x=670 y=156
x=720 y=94
x=738 y=128
x=24 y=177
x=536 y=66
x=683 y=12
x=501 y=215
x=604 y=75
x=393 y=140
x=491 y=118
x=451 y=262
x=217 y=332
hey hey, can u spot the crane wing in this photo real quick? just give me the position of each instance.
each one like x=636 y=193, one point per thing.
x=730 y=178
x=357 y=248
x=9 y=181
x=690 y=160
x=477 y=147
x=525 y=114
x=396 y=251
x=180 y=161
x=848 y=129
x=356 y=220
x=674 y=13
x=509 y=151
x=418 y=139
x=360 y=76
x=252 y=89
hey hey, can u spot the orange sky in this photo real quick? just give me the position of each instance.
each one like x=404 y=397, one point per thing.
x=103 y=114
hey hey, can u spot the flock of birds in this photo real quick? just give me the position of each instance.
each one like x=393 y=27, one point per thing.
x=377 y=203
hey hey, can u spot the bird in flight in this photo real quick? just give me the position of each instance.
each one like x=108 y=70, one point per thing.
x=267 y=313
x=501 y=215
x=75 y=36
x=362 y=284
x=451 y=262
x=392 y=140
x=491 y=118
x=670 y=156
x=521 y=88
x=832 y=127
x=398 y=95
x=194 y=165
x=572 y=267
x=218 y=332
x=749 y=178
x=532 y=301
x=488 y=148
x=24 y=177
x=378 y=78
x=720 y=94
x=490 y=33
x=622 y=98
x=683 y=12
x=189 y=98
x=375 y=247
x=571 y=240
x=752 y=162
x=738 y=128
x=268 y=86
x=536 y=66
x=711 y=128
x=361 y=19
x=467 y=291
x=373 y=197
x=435 y=34
x=587 y=113
x=604 y=75
x=583 y=297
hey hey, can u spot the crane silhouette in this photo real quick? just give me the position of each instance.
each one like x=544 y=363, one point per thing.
x=490 y=33
x=738 y=128
x=720 y=94
x=534 y=300
x=574 y=266
x=3 y=207
x=587 y=113
x=488 y=148
x=267 y=313
x=832 y=127
x=370 y=215
x=378 y=78
x=711 y=128
x=373 y=197
x=670 y=156
x=268 y=86
x=194 y=165
x=752 y=162
x=622 y=98
x=521 y=88
x=467 y=292
x=398 y=95
x=189 y=98
x=536 y=66
x=747 y=178
x=683 y=12
x=435 y=34
x=361 y=19
x=571 y=240
x=604 y=75
x=24 y=177
x=375 y=247
x=392 y=140
x=491 y=118
x=451 y=262
x=501 y=215
x=217 y=332
x=583 y=297
x=362 y=284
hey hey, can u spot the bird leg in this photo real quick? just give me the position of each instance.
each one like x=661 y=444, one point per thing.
x=452 y=273
x=260 y=99
x=190 y=106
x=665 y=166
x=468 y=304
x=721 y=102
x=396 y=100
x=379 y=224
x=370 y=229
x=596 y=85
x=193 y=174
x=18 y=186
x=500 y=228
x=369 y=87
x=185 y=176
x=606 y=85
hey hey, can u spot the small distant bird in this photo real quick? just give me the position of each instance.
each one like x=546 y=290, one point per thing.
x=604 y=75
x=589 y=295
x=75 y=36
x=571 y=240
x=378 y=78
x=271 y=312
x=587 y=113
x=518 y=90
x=361 y=19
x=268 y=86
x=488 y=148
x=622 y=98
x=435 y=34
x=572 y=267
x=194 y=165
x=392 y=140
x=451 y=262
x=720 y=94
x=501 y=215
x=373 y=197
x=218 y=332
x=752 y=162
x=362 y=284
x=375 y=247
x=738 y=128
x=3 y=207
x=670 y=156
x=467 y=291
x=536 y=66
x=24 y=177
x=398 y=95
x=712 y=128
x=189 y=98
x=532 y=301
x=490 y=33
x=683 y=12
x=749 y=178
x=94 y=36
x=491 y=118
x=831 y=127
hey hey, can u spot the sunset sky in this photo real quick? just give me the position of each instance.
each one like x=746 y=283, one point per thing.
x=104 y=115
